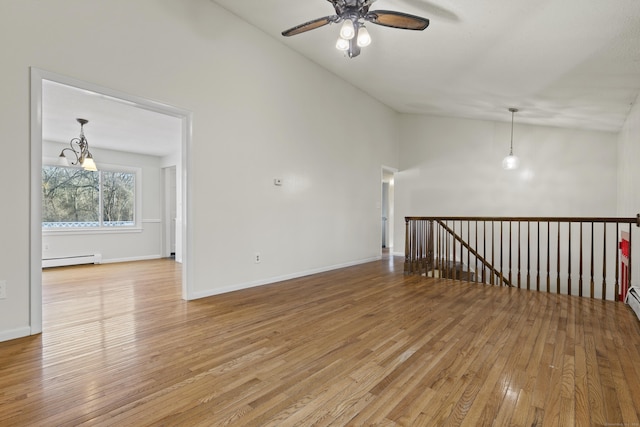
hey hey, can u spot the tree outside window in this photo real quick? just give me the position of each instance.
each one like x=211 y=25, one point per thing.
x=118 y=199
x=75 y=198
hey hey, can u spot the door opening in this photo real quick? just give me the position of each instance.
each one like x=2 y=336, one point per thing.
x=171 y=214
x=386 y=208
x=183 y=199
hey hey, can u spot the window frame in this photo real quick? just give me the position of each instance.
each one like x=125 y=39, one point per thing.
x=101 y=229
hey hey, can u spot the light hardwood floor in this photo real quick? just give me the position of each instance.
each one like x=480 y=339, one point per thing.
x=364 y=345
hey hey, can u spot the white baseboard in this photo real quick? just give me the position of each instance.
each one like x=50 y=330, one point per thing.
x=92 y=259
x=261 y=282
x=12 y=334
x=136 y=258
x=71 y=260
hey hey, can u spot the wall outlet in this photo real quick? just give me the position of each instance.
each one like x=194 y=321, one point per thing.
x=257 y=258
x=3 y=289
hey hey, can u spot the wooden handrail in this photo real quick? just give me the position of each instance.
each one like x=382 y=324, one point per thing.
x=631 y=220
x=473 y=252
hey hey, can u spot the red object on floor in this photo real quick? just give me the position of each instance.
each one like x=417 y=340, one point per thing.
x=625 y=249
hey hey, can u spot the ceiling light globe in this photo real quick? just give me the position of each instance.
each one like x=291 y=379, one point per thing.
x=510 y=162
x=62 y=160
x=347 y=31
x=88 y=164
x=342 y=44
x=364 y=39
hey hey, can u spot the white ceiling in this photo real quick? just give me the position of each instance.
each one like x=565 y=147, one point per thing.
x=114 y=123
x=568 y=63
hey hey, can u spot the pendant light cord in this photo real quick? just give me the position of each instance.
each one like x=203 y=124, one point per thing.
x=513 y=111
x=511 y=147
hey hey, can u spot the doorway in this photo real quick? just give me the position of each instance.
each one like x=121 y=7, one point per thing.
x=38 y=79
x=386 y=208
x=171 y=231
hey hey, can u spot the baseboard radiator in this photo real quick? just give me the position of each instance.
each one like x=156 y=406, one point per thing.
x=71 y=260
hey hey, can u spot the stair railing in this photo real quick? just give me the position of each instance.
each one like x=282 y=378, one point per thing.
x=553 y=254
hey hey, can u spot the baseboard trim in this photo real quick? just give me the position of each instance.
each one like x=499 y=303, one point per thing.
x=71 y=260
x=268 y=281
x=137 y=258
x=12 y=334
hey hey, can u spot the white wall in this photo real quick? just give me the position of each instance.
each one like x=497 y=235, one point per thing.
x=629 y=178
x=628 y=158
x=453 y=167
x=144 y=243
x=260 y=111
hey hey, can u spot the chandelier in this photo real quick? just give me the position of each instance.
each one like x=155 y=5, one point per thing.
x=81 y=151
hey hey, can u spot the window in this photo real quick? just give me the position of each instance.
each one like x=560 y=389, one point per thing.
x=75 y=198
x=118 y=198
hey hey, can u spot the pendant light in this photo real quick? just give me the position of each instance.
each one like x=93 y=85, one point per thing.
x=511 y=162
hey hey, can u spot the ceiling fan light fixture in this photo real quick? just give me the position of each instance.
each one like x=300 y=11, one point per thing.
x=353 y=14
x=342 y=44
x=364 y=39
x=347 y=31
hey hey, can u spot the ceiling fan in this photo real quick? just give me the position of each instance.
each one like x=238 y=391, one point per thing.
x=353 y=14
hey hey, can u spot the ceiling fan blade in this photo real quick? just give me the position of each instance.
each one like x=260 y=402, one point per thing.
x=400 y=20
x=311 y=25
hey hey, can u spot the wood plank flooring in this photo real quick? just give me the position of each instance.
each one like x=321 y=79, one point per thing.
x=359 y=346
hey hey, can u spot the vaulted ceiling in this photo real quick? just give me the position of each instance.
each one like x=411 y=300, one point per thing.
x=568 y=63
